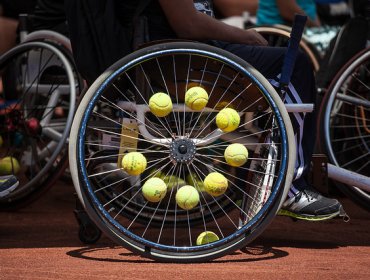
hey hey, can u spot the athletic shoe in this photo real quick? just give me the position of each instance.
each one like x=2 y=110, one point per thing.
x=8 y=184
x=311 y=206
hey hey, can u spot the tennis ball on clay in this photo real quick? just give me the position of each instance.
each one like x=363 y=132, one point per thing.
x=206 y=237
x=194 y=180
x=160 y=104
x=227 y=120
x=154 y=189
x=236 y=154
x=134 y=163
x=9 y=165
x=215 y=184
x=196 y=98
x=187 y=197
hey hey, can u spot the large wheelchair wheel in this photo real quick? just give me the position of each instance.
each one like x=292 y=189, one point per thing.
x=62 y=43
x=345 y=122
x=113 y=118
x=37 y=109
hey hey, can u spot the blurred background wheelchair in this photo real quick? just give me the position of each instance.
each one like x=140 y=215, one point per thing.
x=39 y=90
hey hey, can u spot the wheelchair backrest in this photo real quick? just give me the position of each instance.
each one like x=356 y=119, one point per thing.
x=351 y=39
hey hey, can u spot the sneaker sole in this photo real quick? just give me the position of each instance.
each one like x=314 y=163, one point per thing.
x=307 y=217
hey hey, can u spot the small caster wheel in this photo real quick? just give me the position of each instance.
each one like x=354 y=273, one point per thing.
x=89 y=233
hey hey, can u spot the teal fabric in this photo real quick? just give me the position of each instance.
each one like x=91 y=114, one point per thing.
x=268 y=12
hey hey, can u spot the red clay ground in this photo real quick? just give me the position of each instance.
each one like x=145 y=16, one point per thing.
x=41 y=242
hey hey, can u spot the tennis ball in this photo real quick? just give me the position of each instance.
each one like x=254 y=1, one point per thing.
x=160 y=104
x=187 y=197
x=196 y=98
x=134 y=163
x=227 y=119
x=206 y=237
x=192 y=84
x=9 y=165
x=155 y=173
x=223 y=104
x=154 y=189
x=236 y=154
x=215 y=184
x=194 y=180
x=173 y=181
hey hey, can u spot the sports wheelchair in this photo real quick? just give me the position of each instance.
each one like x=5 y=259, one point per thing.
x=113 y=118
x=39 y=91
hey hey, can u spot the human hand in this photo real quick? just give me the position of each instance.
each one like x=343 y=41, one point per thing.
x=252 y=37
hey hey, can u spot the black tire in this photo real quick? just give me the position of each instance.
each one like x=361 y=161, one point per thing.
x=113 y=199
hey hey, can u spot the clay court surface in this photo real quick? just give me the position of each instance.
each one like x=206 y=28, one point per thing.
x=41 y=242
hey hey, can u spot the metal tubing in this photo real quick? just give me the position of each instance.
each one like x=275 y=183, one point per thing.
x=299 y=108
x=354 y=100
x=348 y=177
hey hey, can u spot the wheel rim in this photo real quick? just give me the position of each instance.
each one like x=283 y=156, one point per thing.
x=346 y=119
x=83 y=152
x=32 y=98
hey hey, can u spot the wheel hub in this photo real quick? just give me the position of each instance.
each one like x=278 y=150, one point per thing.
x=182 y=151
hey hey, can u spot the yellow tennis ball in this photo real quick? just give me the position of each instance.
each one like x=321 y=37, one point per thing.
x=9 y=165
x=227 y=119
x=160 y=104
x=196 y=98
x=215 y=184
x=155 y=173
x=154 y=189
x=173 y=181
x=236 y=154
x=194 y=180
x=134 y=163
x=192 y=84
x=206 y=237
x=223 y=104
x=187 y=197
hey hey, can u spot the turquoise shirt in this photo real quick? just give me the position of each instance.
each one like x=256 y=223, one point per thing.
x=268 y=12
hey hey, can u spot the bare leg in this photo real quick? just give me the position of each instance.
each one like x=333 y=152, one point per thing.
x=8 y=28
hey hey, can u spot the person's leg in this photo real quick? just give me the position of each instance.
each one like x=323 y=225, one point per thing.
x=303 y=202
x=8 y=34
